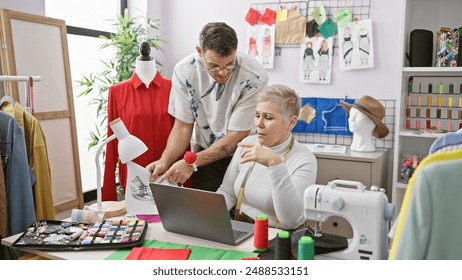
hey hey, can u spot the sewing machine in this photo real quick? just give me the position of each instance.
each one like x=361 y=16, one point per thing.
x=366 y=210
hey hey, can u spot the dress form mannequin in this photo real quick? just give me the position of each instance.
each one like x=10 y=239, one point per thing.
x=362 y=127
x=141 y=98
x=145 y=66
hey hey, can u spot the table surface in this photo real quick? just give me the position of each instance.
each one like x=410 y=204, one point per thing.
x=155 y=231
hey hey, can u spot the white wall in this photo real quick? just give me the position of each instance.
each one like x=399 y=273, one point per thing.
x=182 y=21
x=27 y=6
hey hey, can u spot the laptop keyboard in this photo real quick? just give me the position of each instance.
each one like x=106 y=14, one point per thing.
x=238 y=233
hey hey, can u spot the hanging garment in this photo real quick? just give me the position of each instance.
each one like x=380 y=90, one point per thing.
x=144 y=113
x=292 y=30
x=3 y=205
x=38 y=160
x=18 y=175
x=448 y=139
x=428 y=226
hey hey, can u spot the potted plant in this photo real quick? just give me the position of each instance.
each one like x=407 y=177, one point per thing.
x=130 y=32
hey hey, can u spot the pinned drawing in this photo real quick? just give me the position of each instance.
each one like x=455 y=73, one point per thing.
x=316 y=60
x=356 y=45
x=260 y=38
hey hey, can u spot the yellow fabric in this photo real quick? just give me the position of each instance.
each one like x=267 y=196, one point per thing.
x=442 y=156
x=38 y=161
x=281 y=15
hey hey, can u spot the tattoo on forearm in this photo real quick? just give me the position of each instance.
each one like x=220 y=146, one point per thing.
x=222 y=152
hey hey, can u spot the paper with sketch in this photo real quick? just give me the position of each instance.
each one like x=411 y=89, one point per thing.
x=356 y=50
x=138 y=196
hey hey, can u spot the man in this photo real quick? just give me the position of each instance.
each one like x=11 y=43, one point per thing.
x=213 y=101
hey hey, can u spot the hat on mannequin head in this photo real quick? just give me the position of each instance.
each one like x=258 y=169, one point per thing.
x=373 y=109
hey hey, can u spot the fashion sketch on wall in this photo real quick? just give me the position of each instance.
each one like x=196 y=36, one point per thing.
x=316 y=60
x=260 y=44
x=355 y=45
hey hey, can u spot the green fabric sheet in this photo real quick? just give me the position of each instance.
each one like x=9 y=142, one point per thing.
x=197 y=252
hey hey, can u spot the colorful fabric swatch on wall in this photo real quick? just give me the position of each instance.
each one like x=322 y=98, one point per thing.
x=323 y=115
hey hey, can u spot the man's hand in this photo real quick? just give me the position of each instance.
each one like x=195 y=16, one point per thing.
x=179 y=172
x=156 y=168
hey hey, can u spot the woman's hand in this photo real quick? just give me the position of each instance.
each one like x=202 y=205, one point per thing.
x=259 y=154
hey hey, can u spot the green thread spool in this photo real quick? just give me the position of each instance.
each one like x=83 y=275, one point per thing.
x=451 y=88
x=440 y=88
x=306 y=248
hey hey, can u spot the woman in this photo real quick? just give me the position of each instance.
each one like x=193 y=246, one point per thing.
x=347 y=47
x=308 y=60
x=282 y=167
x=266 y=52
x=323 y=62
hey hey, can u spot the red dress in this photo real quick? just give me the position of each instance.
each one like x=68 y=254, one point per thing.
x=144 y=112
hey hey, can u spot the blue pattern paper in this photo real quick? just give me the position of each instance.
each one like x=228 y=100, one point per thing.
x=330 y=118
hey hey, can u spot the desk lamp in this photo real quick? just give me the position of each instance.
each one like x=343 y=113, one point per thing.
x=129 y=147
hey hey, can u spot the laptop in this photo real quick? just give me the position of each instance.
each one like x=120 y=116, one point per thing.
x=198 y=213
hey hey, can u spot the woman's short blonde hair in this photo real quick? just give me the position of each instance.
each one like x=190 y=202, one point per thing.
x=287 y=99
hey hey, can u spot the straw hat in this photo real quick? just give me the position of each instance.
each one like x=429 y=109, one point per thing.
x=372 y=108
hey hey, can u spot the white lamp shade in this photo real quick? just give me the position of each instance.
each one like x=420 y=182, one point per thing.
x=129 y=147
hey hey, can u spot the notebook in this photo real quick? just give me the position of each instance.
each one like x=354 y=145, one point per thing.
x=198 y=213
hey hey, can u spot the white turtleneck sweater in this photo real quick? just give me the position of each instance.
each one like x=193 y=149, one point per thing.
x=276 y=190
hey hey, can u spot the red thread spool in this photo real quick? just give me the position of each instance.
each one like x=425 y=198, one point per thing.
x=260 y=239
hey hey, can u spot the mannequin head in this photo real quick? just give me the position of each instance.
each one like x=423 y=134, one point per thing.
x=372 y=109
x=145 y=66
x=362 y=127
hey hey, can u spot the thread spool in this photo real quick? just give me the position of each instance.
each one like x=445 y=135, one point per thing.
x=260 y=239
x=283 y=246
x=84 y=216
x=305 y=248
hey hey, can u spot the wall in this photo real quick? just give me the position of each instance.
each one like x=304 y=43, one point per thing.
x=27 y=6
x=183 y=20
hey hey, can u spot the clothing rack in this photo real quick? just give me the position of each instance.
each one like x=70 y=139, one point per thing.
x=5 y=78
x=29 y=92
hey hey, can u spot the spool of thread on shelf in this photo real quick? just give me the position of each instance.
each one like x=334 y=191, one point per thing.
x=440 y=88
x=430 y=87
x=451 y=88
x=305 y=248
x=260 y=239
x=283 y=246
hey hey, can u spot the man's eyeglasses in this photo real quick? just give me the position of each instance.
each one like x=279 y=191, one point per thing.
x=216 y=69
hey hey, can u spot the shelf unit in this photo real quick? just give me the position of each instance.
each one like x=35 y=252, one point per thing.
x=430 y=15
